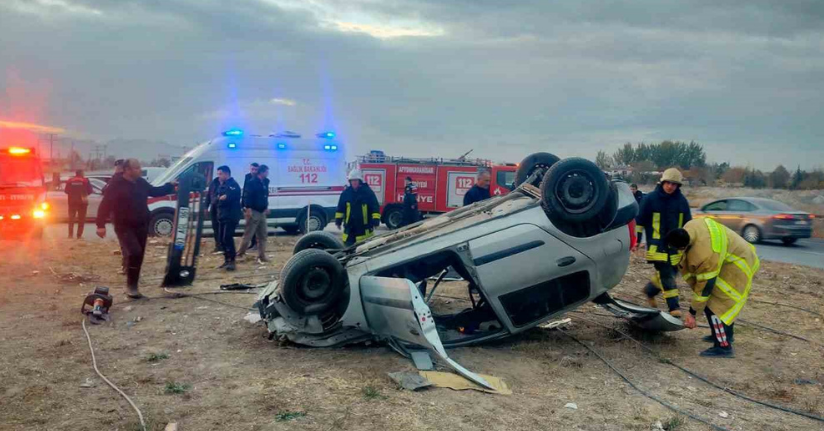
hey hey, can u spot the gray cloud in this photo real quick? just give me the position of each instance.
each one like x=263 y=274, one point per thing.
x=744 y=78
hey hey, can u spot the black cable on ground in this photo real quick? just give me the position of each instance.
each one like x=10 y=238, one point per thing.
x=786 y=305
x=178 y=295
x=704 y=379
x=643 y=392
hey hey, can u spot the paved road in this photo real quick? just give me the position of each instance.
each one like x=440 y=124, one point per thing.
x=809 y=252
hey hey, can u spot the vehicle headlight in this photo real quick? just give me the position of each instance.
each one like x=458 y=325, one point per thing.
x=44 y=206
x=39 y=214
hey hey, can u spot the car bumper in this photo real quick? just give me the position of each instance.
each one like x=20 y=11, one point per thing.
x=791 y=231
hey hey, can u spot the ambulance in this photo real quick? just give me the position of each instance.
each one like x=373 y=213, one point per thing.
x=442 y=183
x=306 y=176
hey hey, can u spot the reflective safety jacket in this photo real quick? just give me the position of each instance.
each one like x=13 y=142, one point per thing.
x=359 y=212
x=719 y=266
x=660 y=213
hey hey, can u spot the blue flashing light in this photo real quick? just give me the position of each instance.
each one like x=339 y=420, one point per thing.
x=281 y=146
x=326 y=135
x=334 y=148
x=233 y=132
x=232 y=145
x=327 y=147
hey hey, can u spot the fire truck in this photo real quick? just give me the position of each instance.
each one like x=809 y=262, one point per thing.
x=23 y=207
x=442 y=183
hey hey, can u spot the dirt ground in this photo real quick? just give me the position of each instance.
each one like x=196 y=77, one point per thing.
x=198 y=363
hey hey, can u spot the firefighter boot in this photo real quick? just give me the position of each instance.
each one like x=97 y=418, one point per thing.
x=674 y=307
x=718 y=352
x=650 y=291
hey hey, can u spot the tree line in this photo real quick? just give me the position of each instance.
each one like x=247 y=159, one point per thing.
x=643 y=159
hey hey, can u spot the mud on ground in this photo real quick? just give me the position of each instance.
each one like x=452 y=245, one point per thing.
x=198 y=363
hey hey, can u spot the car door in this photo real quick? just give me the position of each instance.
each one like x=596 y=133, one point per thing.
x=717 y=211
x=395 y=309
x=58 y=202
x=95 y=198
x=738 y=211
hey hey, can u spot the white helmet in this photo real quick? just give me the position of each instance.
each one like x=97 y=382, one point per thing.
x=355 y=174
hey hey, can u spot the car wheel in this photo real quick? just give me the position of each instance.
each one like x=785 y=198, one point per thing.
x=291 y=230
x=316 y=222
x=312 y=282
x=320 y=241
x=752 y=234
x=531 y=163
x=162 y=224
x=574 y=190
x=789 y=241
x=393 y=217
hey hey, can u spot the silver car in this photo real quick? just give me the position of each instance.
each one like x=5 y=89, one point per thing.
x=758 y=219
x=59 y=200
x=559 y=241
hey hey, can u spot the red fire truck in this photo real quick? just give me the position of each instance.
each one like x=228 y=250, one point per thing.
x=23 y=207
x=442 y=183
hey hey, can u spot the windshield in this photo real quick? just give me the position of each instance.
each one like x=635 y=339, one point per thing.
x=20 y=172
x=774 y=206
x=172 y=172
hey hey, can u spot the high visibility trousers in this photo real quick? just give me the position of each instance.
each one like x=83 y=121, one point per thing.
x=722 y=333
x=664 y=281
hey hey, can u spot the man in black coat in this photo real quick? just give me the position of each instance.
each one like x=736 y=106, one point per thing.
x=480 y=191
x=211 y=204
x=126 y=200
x=410 y=203
x=639 y=196
x=78 y=188
x=256 y=202
x=228 y=213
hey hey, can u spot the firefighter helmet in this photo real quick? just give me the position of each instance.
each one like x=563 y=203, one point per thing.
x=355 y=174
x=672 y=175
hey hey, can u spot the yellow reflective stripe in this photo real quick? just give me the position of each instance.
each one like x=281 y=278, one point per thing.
x=639 y=229
x=656 y=281
x=688 y=275
x=365 y=212
x=364 y=236
x=706 y=276
x=675 y=259
x=348 y=212
x=740 y=263
x=732 y=313
x=656 y=225
x=671 y=293
x=698 y=298
x=338 y=215
x=345 y=236
x=681 y=220
x=654 y=255
x=376 y=215
x=727 y=289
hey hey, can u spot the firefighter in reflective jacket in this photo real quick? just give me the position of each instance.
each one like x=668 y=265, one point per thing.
x=662 y=211
x=719 y=266
x=358 y=210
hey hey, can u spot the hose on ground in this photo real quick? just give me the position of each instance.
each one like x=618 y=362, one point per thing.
x=641 y=391
x=704 y=379
x=112 y=385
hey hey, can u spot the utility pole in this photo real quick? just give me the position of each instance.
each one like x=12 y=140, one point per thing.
x=71 y=156
x=51 y=148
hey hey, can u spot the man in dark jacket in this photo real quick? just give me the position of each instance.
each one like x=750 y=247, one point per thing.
x=78 y=188
x=118 y=174
x=211 y=203
x=253 y=171
x=256 y=202
x=663 y=211
x=228 y=214
x=126 y=199
x=358 y=210
x=410 y=203
x=480 y=191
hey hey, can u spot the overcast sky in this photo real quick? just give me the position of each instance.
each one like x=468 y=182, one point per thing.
x=425 y=78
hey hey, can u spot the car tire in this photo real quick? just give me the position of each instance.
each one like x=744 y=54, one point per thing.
x=317 y=222
x=312 y=282
x=162 y=224
x=320 y=241
x=291 y=230
x=789 y=241
x=532 y=162
x=574 y=190
x=752 y=234
x=393 y=217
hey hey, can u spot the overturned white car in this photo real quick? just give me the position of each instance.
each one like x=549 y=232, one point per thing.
x=558 y=241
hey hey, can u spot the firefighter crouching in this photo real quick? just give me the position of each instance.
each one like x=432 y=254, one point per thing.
x=663 y=210
x=719 y=266
x=358 y=210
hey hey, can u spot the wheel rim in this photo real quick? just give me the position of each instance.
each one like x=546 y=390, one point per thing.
x=313 y=224
x=395 y=218
x=751 y=234
x=163 y=227
x=576 y=192
x=316 y=284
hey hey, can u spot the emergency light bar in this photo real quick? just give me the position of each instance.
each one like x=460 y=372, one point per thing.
x=233 y=132
x=326 y=135
x=231 y=145
x=281 y=146
x=330 y=147
x=285 y=134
